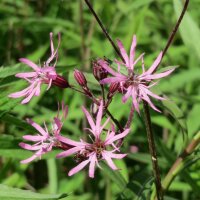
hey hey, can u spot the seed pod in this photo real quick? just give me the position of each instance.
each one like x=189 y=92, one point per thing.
x=113 y=88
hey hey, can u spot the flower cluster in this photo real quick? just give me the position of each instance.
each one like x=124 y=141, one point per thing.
x=104 y=141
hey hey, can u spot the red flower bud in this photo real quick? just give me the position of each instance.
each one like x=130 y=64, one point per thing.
x=113 y=88
x=98 y=71
x=80 y=78
x=61 y=82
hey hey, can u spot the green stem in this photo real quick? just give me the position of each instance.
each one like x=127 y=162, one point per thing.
x=52 y=175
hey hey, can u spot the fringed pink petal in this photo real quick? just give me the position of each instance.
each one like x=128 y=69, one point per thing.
x=155 y=64
x=29 y=147
x=26 y=75
x=93 y=161
x=109 y=161
x=37 y=127
x=117 y=137
x=89 y=118
x=68 y=152
x=30 y=64
x=132 y=52
x=78 y=168
x=68 y=141
x=98 y=119
x=123 y=52
x=34 y=138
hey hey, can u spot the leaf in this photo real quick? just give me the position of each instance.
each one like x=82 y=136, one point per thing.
x=178 y=115
x=115 y=176
x=11 y=70
x=8 y=193
x=189 y=30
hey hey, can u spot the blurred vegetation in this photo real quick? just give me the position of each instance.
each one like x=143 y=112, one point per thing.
x=25 y=26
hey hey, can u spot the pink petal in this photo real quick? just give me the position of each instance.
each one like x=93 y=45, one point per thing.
x=38 y=127
x=105 y=123
x=151 y=93
x=29 y=63
x=134 y=98
x=132 y=52
x=29 y=147
x=127 y=95
x=140 y=57
x=28 y=98
x=109 y=160
x=98 y=118
x=111 y=71
x=123 y=52
x=160 y=75
x=68 y=141
x=22 y=92
x=109 y=136
x=155 y=64
x=117 y=137
x=89 y=118
x=117 y=156
x=113 y=80
x=68 y=152
x=93 y=161
x=28 y=159
x=78 y=168
x=147 y=99
x=37 y=89
x=34 y=138
x=26 y=75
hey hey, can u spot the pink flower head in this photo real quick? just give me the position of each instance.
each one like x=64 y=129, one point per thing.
x=101 y=148
x=135 y=85
x=44 y=141
x=40 y=75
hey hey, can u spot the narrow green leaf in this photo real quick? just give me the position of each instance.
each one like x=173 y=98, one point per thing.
x=8 y=193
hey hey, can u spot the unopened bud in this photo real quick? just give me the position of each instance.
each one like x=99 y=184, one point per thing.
x=61 y=82
x=113 y=88
x=80 y=78
x=98 y=71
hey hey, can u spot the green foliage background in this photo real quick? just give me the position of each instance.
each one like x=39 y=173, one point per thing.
x=24 y=32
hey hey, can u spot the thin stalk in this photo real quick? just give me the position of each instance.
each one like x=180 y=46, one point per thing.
x=152 y=150
x=104 y=29
x=130 y=117
x=103 y=94
x=171 y=37
x=115 y=121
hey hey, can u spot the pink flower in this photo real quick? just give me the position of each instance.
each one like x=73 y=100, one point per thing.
x=135 y=85
x=40 y=75
x=101 y=148
x=44 y=141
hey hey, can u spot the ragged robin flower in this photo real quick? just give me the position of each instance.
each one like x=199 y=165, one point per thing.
x=44 y=140
x=132 y=84
x=41 y=75
x=101 y=147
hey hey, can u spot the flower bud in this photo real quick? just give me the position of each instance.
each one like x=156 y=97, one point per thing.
x=80 y=78
x=113 y=88
x=98 y=71
x=61 y=82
